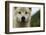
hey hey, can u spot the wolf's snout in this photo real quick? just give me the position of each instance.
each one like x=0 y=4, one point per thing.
x=23 y=18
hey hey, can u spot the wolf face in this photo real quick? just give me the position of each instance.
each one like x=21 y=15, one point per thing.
x=22 y=14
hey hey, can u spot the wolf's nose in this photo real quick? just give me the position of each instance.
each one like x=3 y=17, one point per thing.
x=23 y=18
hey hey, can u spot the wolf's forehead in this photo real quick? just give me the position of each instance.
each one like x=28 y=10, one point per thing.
x=23 y=9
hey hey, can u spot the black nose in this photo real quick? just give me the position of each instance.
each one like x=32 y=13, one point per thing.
x=23 y=18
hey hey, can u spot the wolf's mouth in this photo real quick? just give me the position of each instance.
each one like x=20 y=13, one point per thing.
x=23 y=20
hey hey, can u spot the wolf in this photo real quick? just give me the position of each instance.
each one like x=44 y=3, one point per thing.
x=22 y=17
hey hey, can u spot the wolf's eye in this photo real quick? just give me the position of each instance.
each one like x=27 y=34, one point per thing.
x=19 y=12
x=26 y=12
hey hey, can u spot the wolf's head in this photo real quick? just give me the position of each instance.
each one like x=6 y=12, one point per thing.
x=23 y=14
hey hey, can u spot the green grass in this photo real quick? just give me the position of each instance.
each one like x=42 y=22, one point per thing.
x=35 y=20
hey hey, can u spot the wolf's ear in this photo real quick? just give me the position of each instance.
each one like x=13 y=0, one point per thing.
x=29 y=8
x=15 y=7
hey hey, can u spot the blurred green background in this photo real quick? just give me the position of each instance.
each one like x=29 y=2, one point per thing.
x=35 y=20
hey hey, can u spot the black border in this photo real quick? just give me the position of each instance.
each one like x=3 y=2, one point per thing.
x=7 y=16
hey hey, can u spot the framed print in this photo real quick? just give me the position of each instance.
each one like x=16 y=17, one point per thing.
x=24 y=17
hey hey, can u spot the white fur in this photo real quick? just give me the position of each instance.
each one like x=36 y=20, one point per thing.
x=17 y=17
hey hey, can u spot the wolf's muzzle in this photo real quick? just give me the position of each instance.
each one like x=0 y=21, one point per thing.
x=23 y=18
